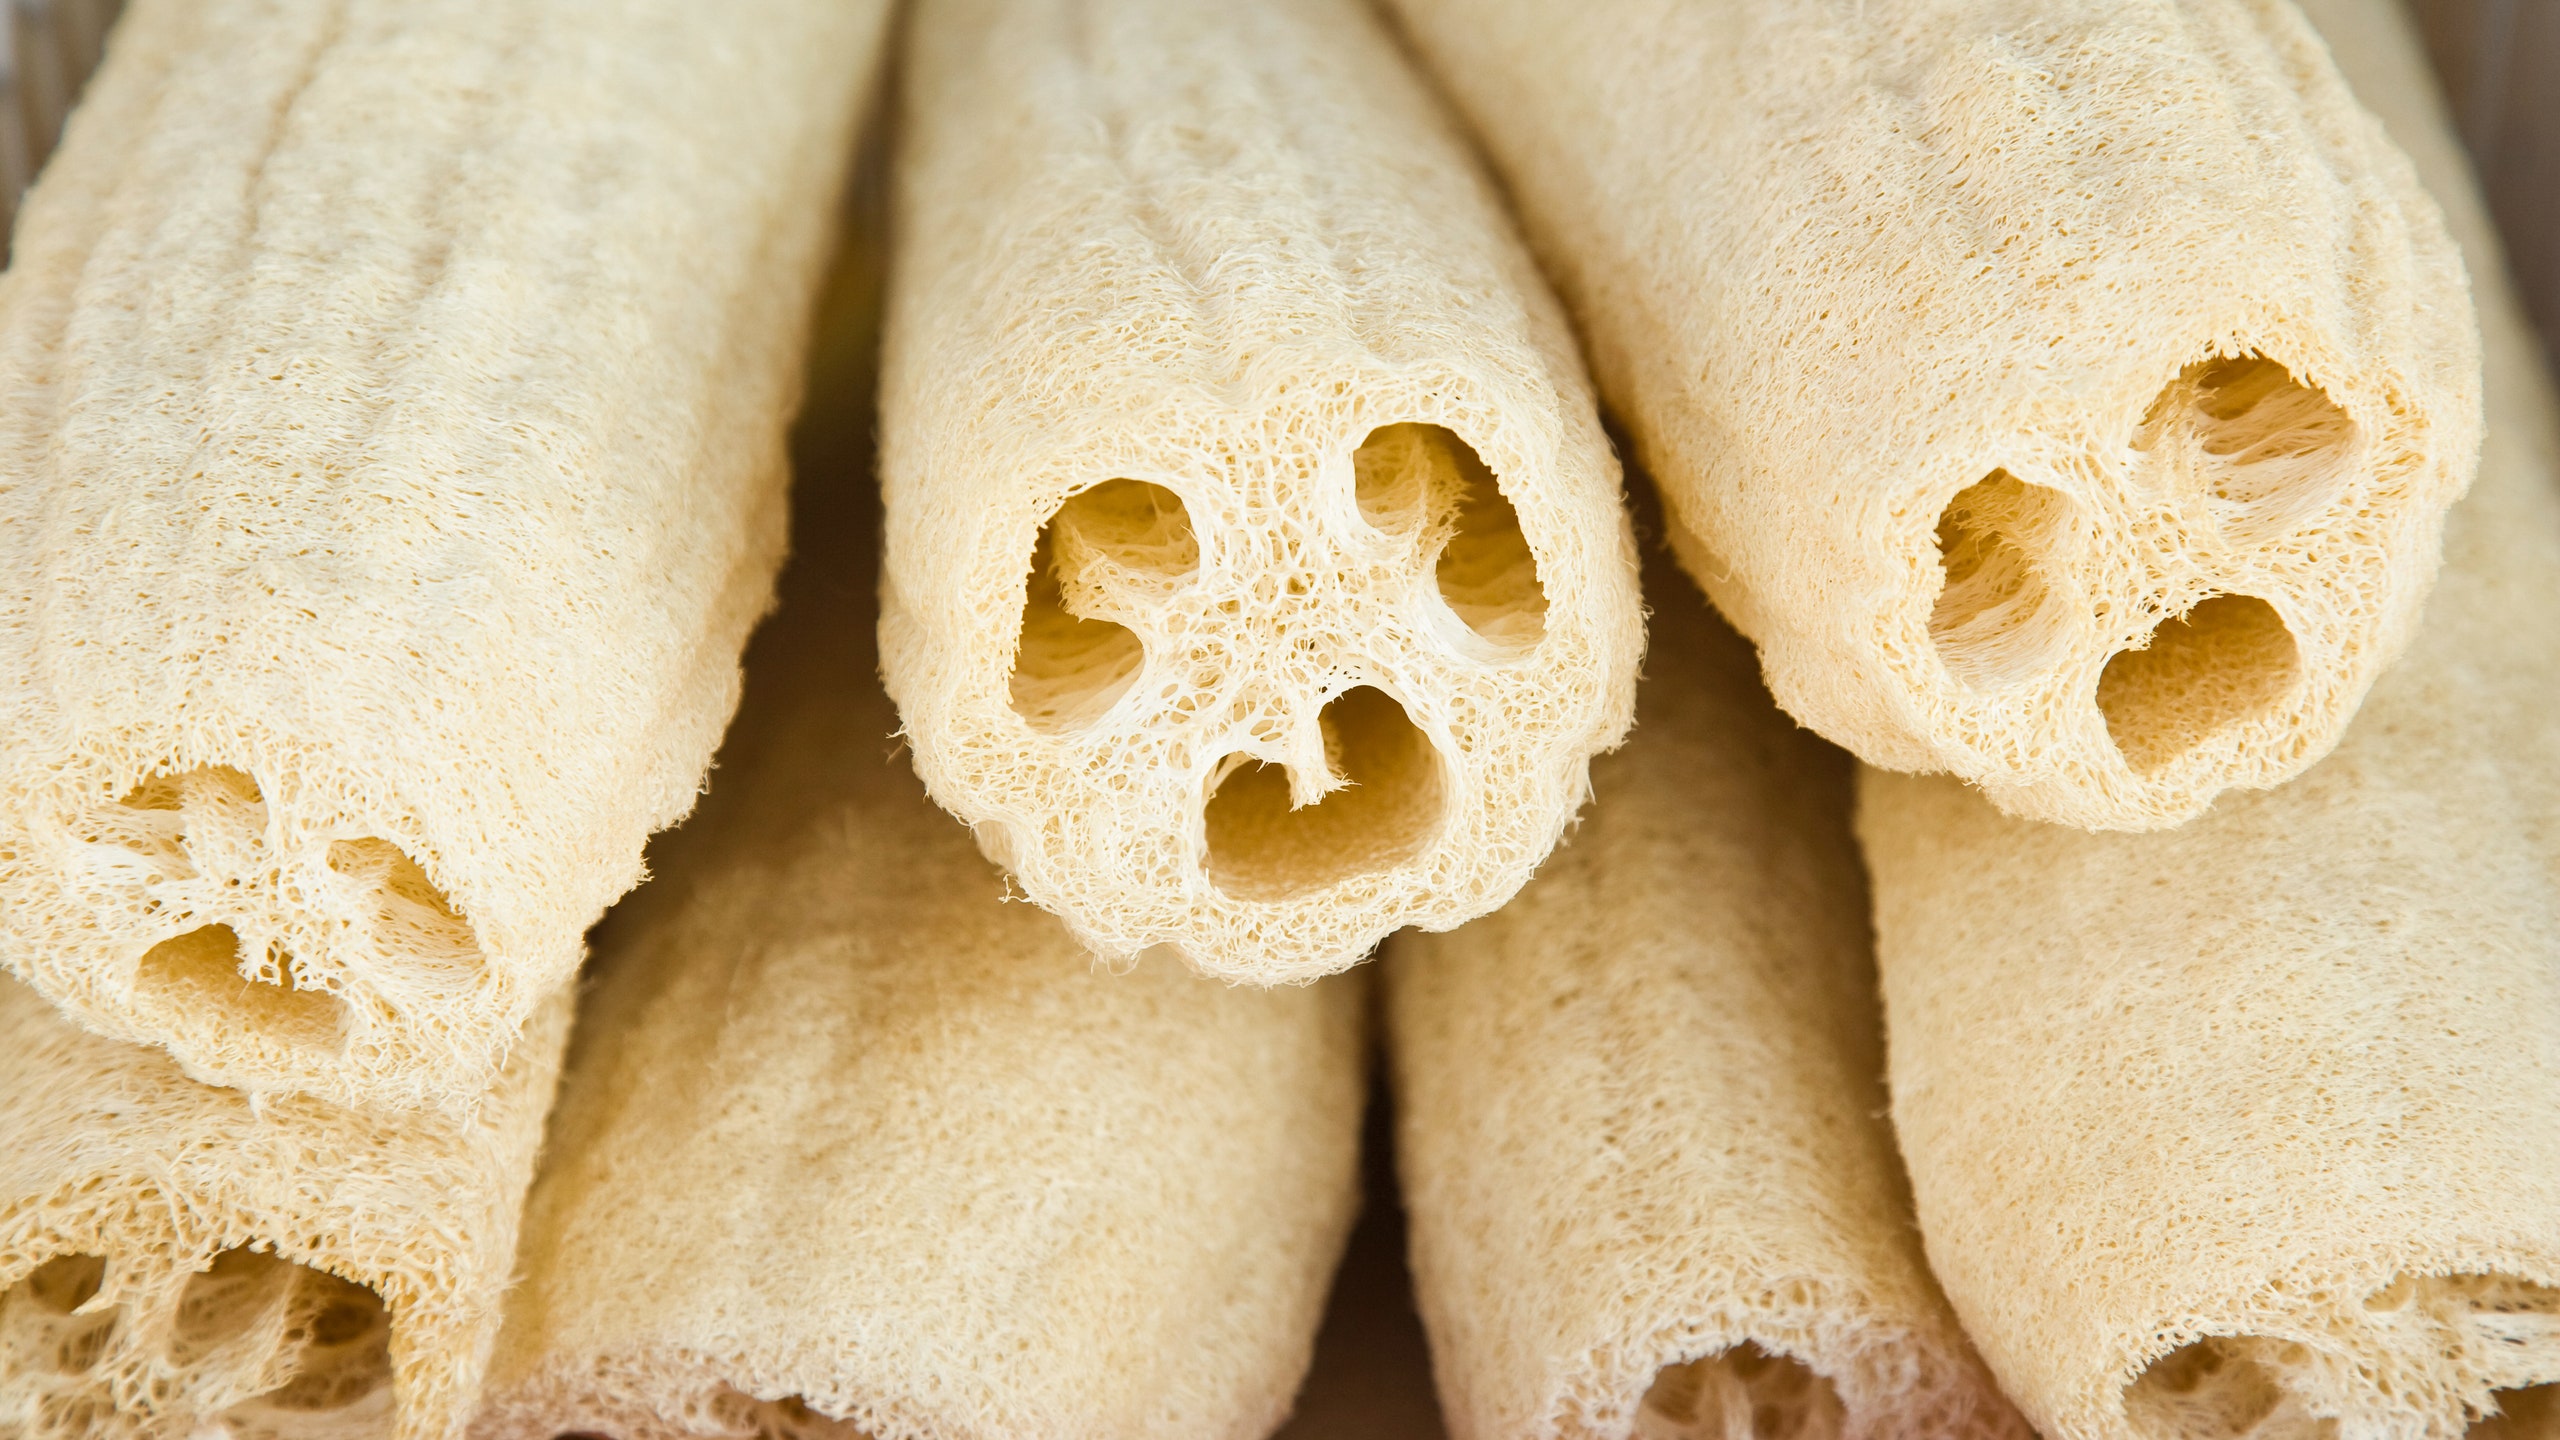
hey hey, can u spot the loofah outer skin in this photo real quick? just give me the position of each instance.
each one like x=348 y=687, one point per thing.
x=967 y=1182
x=2250 y=1129
x=289 y=1270
x=1837 y=268
x=1213 y=249
x=393 y=471
x=1639 y=1107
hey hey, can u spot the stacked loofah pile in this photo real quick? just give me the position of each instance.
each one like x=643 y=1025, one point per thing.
x=2067 y=397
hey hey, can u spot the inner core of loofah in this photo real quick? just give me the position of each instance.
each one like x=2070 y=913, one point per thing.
x=269 y=1349
x=2462 y=1334
x=1997 y=619
x=1744 y=1393
x=1108 y=551
x=1388 y=803
x=189 y=854
x=2270 y=451
x=2226 y=660
x=1424 y=483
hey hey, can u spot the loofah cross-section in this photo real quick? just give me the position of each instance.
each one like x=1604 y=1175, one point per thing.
x=391 y=473
x=2063 y=394
x=2247 y=1132
x=177 y=1260
x=1638 y=1109
x=1258 y=581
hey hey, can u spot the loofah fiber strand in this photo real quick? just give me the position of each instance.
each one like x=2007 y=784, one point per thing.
x=851 y=1149
x=1258 y=581
x=2064 y=394
x=392 y=472
x=1651 y=1195
x=2249 y=1130
x=178 y=1261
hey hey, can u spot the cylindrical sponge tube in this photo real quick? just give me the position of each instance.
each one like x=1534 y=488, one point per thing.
x=2254 y=1129
x=2065 y=394
x=180 y=1260
x=1651 y=1191
x=391 y=472
x=1258 y=581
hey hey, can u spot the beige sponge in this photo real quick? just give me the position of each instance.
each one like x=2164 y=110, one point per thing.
x=392 y=469
x=2063 y=393
x=851 y=1146
x=2254 y=1130
x=1258 y=580
x=179 y=1261
x=1650 y=1186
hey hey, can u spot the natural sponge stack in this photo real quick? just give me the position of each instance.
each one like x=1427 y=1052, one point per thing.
x=1649 y=1188
x=2063 y=395
x=177 y=1260
x=1257 y=575
x=392 y=469
x=2249 y=1129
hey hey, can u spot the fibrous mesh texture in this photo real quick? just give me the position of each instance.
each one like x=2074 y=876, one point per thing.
x=179 y=1261
x=852 y=1148
x=1258 y=580
x=2248 y=1131
x=1650 y=1191
x=1981 y=346
x=392 y=470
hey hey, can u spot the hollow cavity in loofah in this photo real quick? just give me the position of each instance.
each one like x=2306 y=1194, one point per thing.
x=1744 y=1393
x=1270 y=590
x=1971 y=340
x=392 y=476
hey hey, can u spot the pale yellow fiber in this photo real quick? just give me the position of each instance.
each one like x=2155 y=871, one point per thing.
x=2064 y=394
x=1651 y=1190
x=180 y=1262
x=851 y=1146
x=391 y=471
x=1257 y=578
x=2253 y=1130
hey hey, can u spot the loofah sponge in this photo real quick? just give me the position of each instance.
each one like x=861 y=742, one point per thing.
x=2249 y=1131
x=178 y=1261
x=852 y=1147
x=2063 y=393
x=1650 y=1192
x=392 y=471
x=1257 y=577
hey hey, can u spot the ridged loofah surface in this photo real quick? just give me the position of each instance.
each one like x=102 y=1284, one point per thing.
x=1258 y=581
x=1649 y=1189
x=2065 y=394
x=179 y=1262
x=853 y=1148
x=392 y=471
x=2249 y=1131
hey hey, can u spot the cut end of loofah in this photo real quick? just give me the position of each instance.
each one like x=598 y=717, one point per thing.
x=259 y=1346
x=1743 y=1393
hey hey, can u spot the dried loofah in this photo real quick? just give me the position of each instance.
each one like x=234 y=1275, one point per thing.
x=392 y=472
x=1650 y=1191
x=2063 y=393
x=852 y=1148
x=179 y=1261
x=1257 y=576
x=2249 y=1131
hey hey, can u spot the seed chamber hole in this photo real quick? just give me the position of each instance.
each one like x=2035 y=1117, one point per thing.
x=202 y=971
x=252 y=1312
x=2225 y=661
x=1388 y=808
x=1423 y=481
x=1998 y=619
x=2271 y=451
x=1743 y=1393
x=1117 y=548
x=41 y=1332
x=2223 y=1387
